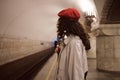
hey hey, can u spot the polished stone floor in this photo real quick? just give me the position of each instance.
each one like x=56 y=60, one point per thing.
x=94 y=74
x=48 y=71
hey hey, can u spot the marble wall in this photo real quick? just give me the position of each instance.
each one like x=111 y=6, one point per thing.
x=13 y=48
x=108 y=48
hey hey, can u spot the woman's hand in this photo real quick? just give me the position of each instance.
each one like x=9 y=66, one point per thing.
x=57 y=49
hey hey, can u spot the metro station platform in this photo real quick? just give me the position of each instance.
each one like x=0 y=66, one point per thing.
x=48 y=72
x=34 y=67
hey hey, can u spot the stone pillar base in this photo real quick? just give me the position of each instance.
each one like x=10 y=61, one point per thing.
x=108 y=48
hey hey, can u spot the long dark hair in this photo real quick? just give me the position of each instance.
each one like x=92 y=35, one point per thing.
x=68 y=26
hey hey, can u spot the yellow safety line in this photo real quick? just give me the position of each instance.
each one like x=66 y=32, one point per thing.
x=49 y=73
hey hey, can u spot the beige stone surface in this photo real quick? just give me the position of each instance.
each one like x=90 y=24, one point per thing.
x=105 y=64
x=108 y=48
x=117 y=65
x=101 y=42
x=117 y=53
x=110 y=29
x=92 y=52
x=12 y=48
x=100 y=49
x=109 y=53
x=109 y=42
x=100 y=53
x=117 y=42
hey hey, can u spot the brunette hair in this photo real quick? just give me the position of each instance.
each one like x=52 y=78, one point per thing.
x=67 y=26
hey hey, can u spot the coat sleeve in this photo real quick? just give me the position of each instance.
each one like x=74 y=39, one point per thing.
x=75 y=62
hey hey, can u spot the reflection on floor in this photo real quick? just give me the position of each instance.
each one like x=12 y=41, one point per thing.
x=99 y=75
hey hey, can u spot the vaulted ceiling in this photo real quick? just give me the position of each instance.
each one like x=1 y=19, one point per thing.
x=111 y=12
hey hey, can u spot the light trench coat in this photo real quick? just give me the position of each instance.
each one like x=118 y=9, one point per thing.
x=72 y=60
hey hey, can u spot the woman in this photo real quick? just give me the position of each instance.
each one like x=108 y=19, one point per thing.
x=72 y=60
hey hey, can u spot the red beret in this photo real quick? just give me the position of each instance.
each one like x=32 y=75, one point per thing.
x=69 y=13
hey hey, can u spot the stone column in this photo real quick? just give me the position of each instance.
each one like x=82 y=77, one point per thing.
x=108 y=48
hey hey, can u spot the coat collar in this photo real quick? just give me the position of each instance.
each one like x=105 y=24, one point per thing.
x=69 y=38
